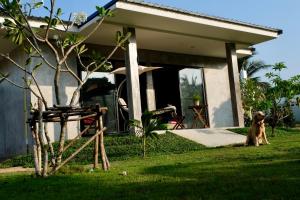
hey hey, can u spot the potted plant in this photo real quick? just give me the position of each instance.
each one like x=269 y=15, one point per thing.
x=196 y=99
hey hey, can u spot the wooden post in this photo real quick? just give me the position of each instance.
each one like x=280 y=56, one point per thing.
x=96 y=148
x=77 y=151
x=105 y=162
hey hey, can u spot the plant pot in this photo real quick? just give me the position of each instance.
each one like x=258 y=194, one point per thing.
x=196 y=102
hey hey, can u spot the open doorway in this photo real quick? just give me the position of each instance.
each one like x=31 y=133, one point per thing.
x=100 y=89
x=177 y=85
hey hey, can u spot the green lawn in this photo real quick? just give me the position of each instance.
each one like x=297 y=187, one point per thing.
x=268 y=172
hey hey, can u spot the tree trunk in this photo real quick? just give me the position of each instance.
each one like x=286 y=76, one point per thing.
x=75 y=95
x=96 y=152
x=102 y=151
x=56 y=85
x=39 y=152
x=63 y=126
x=50 y=146
x=45 y=165
x=105 y=162
x=273 y=131
x=35 y=150
x=144 y=146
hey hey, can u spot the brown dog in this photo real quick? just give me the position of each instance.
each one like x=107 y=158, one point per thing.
x=257 y=131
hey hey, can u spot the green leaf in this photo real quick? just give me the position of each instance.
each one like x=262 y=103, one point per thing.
x=28 y=50
x=36 y=67
x=118 y=36
x=102 y=12
x=54 y=22
x=38 y=5
x=82 y=49
x=59 y=12
x=279 y=66
x=28 y=61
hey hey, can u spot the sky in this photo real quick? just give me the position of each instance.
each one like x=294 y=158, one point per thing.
x=282 y=14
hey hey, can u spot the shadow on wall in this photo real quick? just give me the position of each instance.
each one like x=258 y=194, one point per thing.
x=72 y=127
x=54 y=128
x=222 y=116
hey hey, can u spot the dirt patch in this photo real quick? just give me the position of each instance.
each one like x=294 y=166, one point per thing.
x=15 y=169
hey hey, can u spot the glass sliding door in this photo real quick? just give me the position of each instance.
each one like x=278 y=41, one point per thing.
x=191 y=84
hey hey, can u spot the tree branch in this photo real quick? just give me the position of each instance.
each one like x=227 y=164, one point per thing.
x=27 y=72
x=13 y=83
x=72 y=73
x=39 y=89
x=89 y=72
x=14 y=62
x=41 y=55
x=80 y=42
x=52 y=3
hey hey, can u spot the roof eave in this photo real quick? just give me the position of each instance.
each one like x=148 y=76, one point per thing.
x=188 y=13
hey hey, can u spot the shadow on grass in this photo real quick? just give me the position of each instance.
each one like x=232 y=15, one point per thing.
x=273 y=180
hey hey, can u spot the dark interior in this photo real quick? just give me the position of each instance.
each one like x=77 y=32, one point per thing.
x=166 y=84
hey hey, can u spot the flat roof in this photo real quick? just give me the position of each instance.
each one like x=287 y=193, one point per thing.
x=186 y=12
x=168 y=29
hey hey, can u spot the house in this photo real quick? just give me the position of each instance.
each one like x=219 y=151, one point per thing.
x=193 y=49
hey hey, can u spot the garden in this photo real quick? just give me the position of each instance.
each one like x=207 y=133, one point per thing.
x=175 y=168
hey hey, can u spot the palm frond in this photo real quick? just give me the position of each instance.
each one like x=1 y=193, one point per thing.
x=253 y=67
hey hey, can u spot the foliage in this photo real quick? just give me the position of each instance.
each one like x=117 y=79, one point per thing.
x=252 y=89
x=196 y=97
x=190 y=89
x=267 y=172
x=280 y=95
x=146 y=128
x=252 y=67
x=274 y=98
x=119 y=147
x=253 y=97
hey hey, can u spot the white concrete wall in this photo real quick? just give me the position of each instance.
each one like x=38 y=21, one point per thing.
x=12 y=118
x=13 y=133
x=296 y=112
x=45 y=78
x=218 y=94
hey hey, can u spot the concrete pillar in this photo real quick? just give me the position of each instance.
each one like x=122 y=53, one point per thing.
x=151 y=101
x=132 y=76
x=234 y=82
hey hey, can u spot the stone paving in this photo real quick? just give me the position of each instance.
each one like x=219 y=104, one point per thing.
x=211 y=137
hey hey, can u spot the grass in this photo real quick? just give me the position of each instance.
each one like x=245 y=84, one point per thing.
x=267 y=172
x=119 y=148
x=281 y=131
